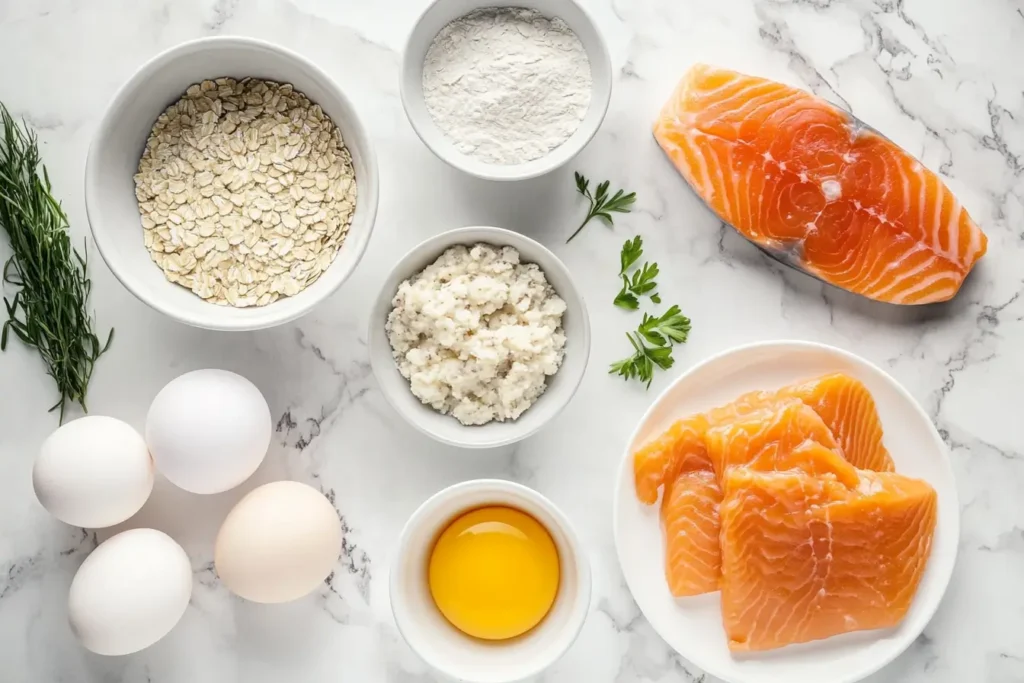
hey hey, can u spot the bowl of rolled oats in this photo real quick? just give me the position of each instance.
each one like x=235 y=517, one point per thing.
x=231 y=185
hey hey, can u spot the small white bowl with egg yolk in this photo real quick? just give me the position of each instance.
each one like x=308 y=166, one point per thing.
x=439 y=581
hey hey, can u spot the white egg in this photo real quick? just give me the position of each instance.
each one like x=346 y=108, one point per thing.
x=93 y=472
x=278 y=543
x=208 y=430
x=130 y=592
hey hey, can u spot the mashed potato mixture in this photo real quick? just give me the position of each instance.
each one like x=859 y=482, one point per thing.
x=477 y=333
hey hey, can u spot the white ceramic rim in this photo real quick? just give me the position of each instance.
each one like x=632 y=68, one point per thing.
x=580 y=609
x=369 y=192
x=375 y=332
x=954 y=523
x=530 y=169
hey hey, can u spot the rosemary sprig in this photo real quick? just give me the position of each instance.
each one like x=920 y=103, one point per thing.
x=601 y=205
x=48 y=311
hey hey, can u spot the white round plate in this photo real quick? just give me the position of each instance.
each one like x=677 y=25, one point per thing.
x=693 y=626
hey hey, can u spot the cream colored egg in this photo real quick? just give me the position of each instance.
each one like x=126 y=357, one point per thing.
x=278 y=543
x=130 y=592
x=93 y=472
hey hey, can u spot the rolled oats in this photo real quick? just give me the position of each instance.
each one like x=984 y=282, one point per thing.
x=236 y=175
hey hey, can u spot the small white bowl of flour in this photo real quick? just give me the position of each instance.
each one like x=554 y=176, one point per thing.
x=506 y=92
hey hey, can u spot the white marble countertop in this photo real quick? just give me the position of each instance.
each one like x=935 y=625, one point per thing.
x=941 y=77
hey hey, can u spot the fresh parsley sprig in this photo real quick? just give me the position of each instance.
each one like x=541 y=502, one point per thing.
x=641 y=364
x=601 y=205
x=642 y=282
x=652 y=343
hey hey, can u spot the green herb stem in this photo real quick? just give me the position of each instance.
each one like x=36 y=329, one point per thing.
x=602 y=205
x=582 y=225
x=49 y=309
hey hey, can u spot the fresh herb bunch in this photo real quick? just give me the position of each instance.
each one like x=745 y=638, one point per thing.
x=642 y=283
x=48 y=311
x=601 y=205
x=652 y=343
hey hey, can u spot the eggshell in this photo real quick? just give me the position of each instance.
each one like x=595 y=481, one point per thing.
x=130 y=592
x=208 y=430
x=93 y=472
x=278 y=543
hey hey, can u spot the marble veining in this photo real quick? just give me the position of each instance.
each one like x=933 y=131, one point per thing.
x=943 y=78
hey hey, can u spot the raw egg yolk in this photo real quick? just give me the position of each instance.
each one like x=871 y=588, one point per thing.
x=494 y=573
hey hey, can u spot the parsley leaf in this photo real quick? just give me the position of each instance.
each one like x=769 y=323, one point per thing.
x=626 y=299
x=632 y=250
x=642 y=282
x=601 y=205
x=671 y=328
x=643 y=279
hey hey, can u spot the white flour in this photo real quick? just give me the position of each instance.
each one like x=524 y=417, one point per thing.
x=507 y=85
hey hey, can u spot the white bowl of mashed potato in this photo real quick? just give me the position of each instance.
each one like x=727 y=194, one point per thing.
x=479 y=337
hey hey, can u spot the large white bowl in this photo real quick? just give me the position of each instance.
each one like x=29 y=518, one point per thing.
x=560 y=387
x=117 y=146
x=693 y=625
x=442 y=12
x=439 y=643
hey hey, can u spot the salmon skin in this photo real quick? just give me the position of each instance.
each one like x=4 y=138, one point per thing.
x=817 y=189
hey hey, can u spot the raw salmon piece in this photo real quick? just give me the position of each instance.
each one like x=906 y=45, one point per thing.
x=679 y=448
x=689 y=517
x=846 y=406
x=766 y=438
x=771 y=437
x=679 y=458
x=818 y=189
x=781 y=435
x=843 y=402
x=805 y=557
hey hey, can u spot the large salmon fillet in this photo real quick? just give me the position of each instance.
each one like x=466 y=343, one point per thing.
x=806 y=557
x=818 y=189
